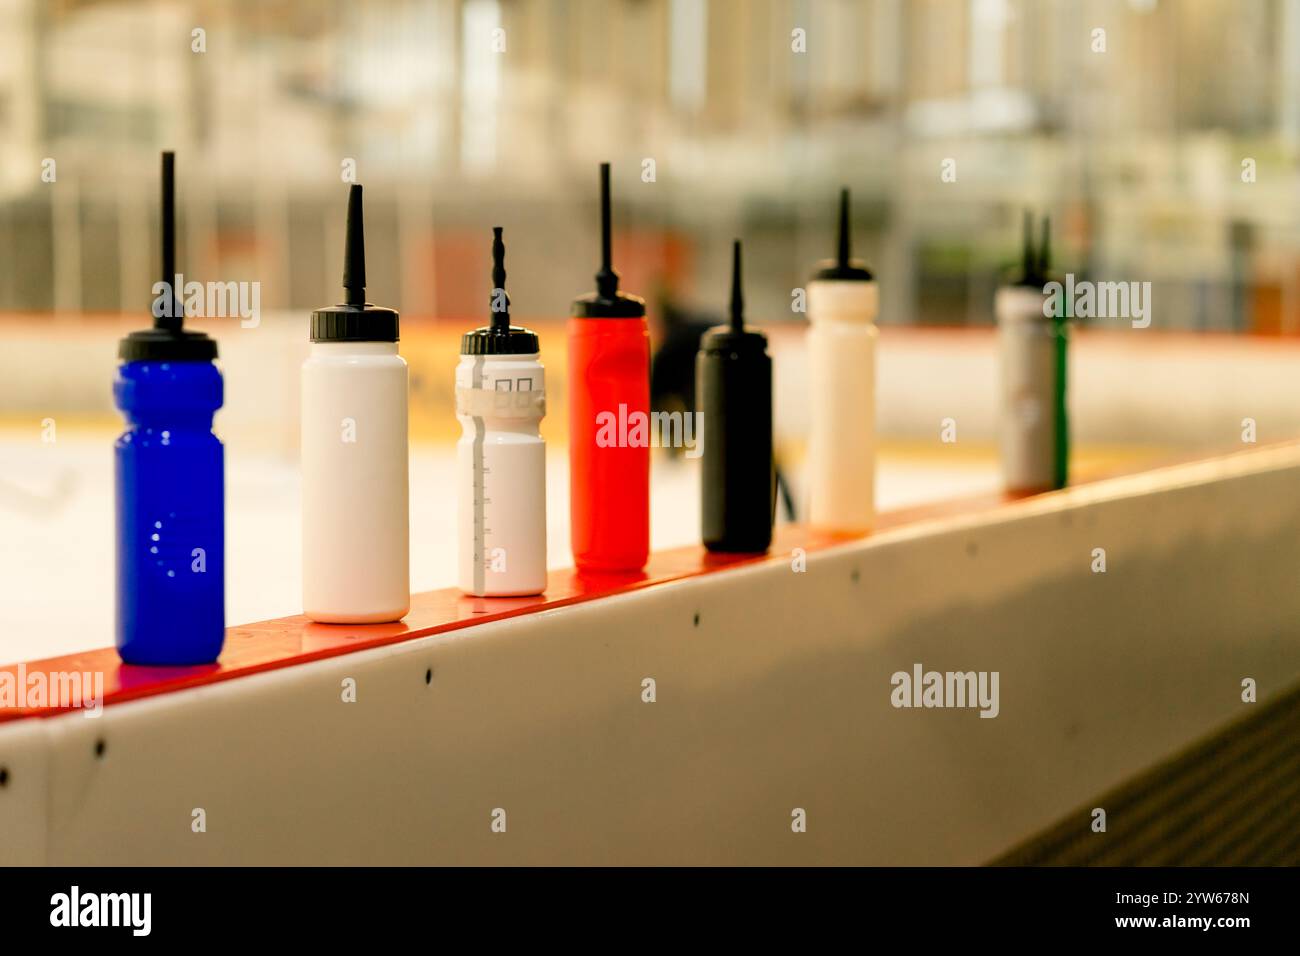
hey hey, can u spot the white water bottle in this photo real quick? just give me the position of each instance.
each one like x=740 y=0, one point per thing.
x=500 y=457
x=843 y=302
x=355 y=517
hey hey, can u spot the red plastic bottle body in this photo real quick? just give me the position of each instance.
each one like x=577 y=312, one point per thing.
x=609 y=457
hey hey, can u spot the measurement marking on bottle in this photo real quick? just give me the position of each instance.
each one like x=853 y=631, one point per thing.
x=480 y=481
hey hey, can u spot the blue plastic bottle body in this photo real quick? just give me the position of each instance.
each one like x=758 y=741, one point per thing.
x=170 y=514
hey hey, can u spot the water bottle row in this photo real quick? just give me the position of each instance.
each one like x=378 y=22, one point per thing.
x=355 y=495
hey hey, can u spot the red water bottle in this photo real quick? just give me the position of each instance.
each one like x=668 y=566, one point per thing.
x=609 y=420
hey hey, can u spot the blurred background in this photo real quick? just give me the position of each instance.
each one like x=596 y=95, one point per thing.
x=1166 y=149
x=1136 y=150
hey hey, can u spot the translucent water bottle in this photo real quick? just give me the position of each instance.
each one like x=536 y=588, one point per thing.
x=500 y=457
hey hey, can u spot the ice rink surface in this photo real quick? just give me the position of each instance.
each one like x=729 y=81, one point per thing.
x=57 y=552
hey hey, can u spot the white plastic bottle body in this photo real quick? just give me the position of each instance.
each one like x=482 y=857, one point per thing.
x=842 y=376
x=1027 y=415
x=355 y=484
x=501 y=475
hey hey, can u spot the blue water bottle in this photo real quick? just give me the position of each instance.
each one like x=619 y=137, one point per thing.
x=170 y=480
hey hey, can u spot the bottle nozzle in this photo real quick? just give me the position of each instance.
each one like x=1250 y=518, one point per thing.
x=500 y=304
x=354 y=251
x=737 y=296
x=166 y=340
x=606 y=302
x=842 y=267
x=1045 y=250
x=1028 y=260
x=844 y=251
x=170 y=320
x=606 y=278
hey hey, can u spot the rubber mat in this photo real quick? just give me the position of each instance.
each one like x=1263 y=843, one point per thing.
x=1232 y=799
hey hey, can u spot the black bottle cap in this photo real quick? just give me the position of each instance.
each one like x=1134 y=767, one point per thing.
x=168 y=341
x=354 y=319
x=607 y=302
x=734 y=337
x=843 y=268
x=1034 y=270
x=499 y=337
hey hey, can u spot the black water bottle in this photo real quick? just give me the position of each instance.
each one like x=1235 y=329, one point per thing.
x=734 y=389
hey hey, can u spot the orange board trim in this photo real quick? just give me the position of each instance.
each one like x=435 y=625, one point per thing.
x=289 y=641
